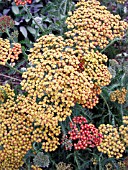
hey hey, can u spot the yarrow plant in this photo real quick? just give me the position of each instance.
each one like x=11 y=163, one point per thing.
x=66 y=103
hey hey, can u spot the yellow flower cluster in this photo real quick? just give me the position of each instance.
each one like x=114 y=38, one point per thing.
x=123 y=129
x=119 y=95
x=111 y=143
x=35 y=168
x=92 y=26
x=22 y=122
x=121 y=1
x=63 y=77
x=4 y=49
x=7 y=52
x=6 y=92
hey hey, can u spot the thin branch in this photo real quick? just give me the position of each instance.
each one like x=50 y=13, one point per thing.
x=10 y=77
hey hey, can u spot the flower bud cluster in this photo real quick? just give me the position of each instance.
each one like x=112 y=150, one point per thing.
x=8 y=52
x=84 y=135
x=119 y=95
x=22 y=2
x=123 y=129
x=111 y=144
x=22 y=122
x=92 y=26
x=6 y=22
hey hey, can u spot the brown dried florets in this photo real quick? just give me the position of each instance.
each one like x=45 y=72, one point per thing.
x=119 y=95
x=92 y=26
x=6 y=22
x=63 y=166
x=22 y=122
x=111 y=143
x=8 y=52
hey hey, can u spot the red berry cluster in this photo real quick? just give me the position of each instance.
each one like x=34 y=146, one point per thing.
x=22 y=2
x=84 y=135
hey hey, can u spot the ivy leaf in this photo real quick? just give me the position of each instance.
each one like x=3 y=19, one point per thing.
x=23 y=31
x=15 y=10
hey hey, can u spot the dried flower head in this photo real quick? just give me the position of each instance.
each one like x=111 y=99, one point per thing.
x=119 y=95
x=41 y=160
x=6 y=22
x=63 y=166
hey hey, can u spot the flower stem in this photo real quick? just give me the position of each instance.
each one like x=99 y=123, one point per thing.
x=112 y=42
x=12 y=68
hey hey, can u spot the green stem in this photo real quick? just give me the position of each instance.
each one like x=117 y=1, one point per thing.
x=112 y=42
x=100 y=166
x=70 y=119
x=10 y=77
x=109 y=111
x=63 y=129
x=121 y=110
x=12 y=68
x=76 y=160
x=7 y=32
x=65 y=7
x=29 y=13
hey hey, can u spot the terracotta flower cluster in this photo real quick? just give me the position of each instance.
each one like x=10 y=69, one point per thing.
x=83 y=135
x=6 y=22
x=22 y=122
x=118 y=95
x=9 y=51
x=92 y=26
x=22 y=2
x=112 y=145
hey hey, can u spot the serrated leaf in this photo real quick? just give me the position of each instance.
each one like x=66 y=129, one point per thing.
x=31 y=30
x=15 y=10
x=23 y=31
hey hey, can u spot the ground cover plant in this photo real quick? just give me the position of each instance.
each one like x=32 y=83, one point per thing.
x=63 y=85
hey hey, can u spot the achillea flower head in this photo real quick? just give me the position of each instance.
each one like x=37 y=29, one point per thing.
x=22 y=2
x=118 y=95
x=6 y=22
x=22 y=122
x=92 y=26
x=41 y=160
x=84 y=135
x=112 y=145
